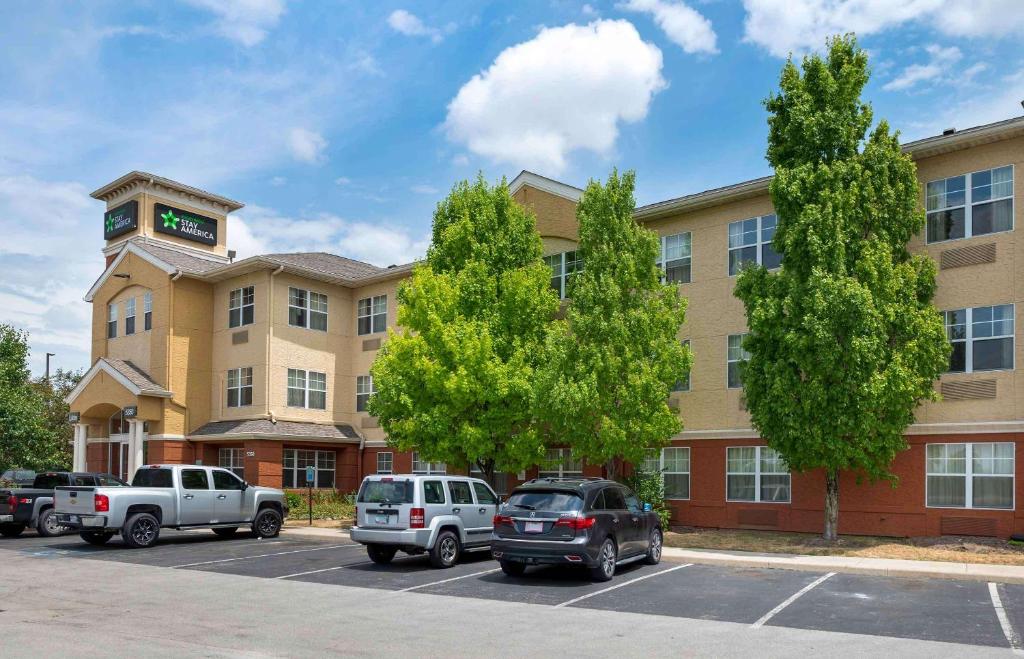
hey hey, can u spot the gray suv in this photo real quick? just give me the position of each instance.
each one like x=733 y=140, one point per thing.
x=442 y=516
x=595 y=523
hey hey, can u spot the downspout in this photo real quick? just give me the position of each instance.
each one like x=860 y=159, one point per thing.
x=270 y=339
x=359 y=460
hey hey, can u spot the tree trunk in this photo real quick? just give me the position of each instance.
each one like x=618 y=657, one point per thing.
x=831 y=505
x=610 y=469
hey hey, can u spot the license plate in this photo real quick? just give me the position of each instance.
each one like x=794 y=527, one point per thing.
x=382 y=519
x=534 y=527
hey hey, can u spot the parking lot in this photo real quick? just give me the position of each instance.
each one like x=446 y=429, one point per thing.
x=966 y=612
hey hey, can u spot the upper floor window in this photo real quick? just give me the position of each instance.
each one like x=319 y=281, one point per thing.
x=673 y=463
x=129 y=316
x=241 y=306
x=982 y=338
x=970 y=475
x=735 y=355
x=559 y=463
x=307 y=389
x=684 y=384
x=420 y=467
x=240 y=387
x=385 y=462
x=563 y=267
x=756 y=473
x=750 y=241
x=147 y=311
x=675 y=258
x=970 y=205
x=307 y=309
x=111 y=321
x=372 y=314
x=364 y=389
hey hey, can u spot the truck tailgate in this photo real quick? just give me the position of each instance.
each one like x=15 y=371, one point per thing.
x=67 y=499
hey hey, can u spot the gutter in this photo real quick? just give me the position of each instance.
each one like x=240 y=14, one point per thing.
x=270 y=338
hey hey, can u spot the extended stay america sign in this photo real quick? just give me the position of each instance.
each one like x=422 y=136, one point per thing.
x=121 y=220
x=184 y=224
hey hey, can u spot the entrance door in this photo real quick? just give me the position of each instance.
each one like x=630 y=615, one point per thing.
x=229 y=505
x=197 y=499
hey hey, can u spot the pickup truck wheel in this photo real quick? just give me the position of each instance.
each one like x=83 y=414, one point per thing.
x=381 y=554
x=446 y=550
x=98 y=538
x=512 y=568
x=141 y=530
x=11 y=530
x=47 y=525
x=226 y=533
x=267 y=524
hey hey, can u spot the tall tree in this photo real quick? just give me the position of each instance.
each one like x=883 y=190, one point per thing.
x=54 y=393
x=455 y=382
x=616 y=356
x=844 y=341
x=26 y=439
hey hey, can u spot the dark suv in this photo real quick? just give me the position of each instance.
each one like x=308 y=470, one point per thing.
x=593 y=522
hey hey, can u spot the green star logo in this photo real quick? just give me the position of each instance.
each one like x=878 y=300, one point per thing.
x=170 y=220
x=110 y=224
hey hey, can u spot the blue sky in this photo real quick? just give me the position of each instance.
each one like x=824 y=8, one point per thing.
x=340 y=124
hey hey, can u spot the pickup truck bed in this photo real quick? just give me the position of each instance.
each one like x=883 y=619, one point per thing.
x=25 y=507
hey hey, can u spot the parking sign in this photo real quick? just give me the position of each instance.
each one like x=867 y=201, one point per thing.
x=310 y=474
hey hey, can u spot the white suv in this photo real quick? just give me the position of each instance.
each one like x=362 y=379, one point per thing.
x=416 y=513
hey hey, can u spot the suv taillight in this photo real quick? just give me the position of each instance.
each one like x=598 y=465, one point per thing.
x=501 y=519
x=12 y=501
x=101 y=503
x=576 y=523
x=416 y=518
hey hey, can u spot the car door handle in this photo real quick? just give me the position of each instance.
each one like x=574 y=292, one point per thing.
x=615 y=520
x=189 y=496
x=222 y=496
x=456 y=510
x=481 y=510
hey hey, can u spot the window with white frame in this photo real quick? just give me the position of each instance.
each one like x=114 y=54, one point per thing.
x=129 y=316
x=675 y=258
x=307 y=309
x=976 y=475
x=564 y=267
x=296 y=461
x=982 y=338
x=232 y=460
x=385 y=462
x=972 y=204
x=673 y=463
x=111 y=321
x=750 y=241
x=307 y=389
x=756 y=473
x=501 y=479
x=364 y=389
x=735 y=355
x=420 y=467
x=147 y=311
x=240 y=386
x=559 y=463
x=684 y=384
x=241 y=306
x=372 y=314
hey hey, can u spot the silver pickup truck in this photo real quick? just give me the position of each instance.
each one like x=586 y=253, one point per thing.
x=170 y=496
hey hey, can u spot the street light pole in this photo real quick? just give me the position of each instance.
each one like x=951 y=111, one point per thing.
x=48 y=355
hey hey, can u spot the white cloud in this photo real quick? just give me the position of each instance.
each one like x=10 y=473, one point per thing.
x=424 y=189
x=245 y=21
x=939 y=63
x=588 y=10
x=998 y=103
x=278 y=181
x=306 y=145
x=342 y=180
x=566 y=89
x=410 y=25
x=683 y=25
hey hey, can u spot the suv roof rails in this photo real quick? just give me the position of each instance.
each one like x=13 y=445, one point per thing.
x=564 y=479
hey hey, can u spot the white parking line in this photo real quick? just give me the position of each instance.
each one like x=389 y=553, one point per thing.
x=326 y=569
x=434 y=583
x=620 y=585
x=1004 y=621
x=245 y=558
x=792 y=598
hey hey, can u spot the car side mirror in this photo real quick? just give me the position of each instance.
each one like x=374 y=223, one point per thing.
x=648 y=507
x=245 y=486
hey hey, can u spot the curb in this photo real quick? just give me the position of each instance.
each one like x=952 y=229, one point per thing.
x=884 y=567
x=317 y=531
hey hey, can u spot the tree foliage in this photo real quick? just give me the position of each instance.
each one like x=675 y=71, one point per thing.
x=844 y=340
x=455 y=382
x=613 y=360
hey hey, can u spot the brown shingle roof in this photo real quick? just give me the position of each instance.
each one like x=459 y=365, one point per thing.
x=281 y=429
x=327 y=263
x=187 y=263
x=136 y=376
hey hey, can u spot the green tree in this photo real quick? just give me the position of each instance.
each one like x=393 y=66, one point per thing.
x=613 y=360
x=57 y=452
x=844 y=341
x=455 y=381
x=26 y=439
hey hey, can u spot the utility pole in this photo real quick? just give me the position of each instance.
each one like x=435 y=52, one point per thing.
x=48 y=355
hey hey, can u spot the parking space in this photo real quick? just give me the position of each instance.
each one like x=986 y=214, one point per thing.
x=965 y=612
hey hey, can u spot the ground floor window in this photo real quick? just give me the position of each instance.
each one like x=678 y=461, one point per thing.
x=756 y=473
x=232 y=460
x=385 y=462
x=296 y=461
x=970 y=475
x=673 y=463
x=420 y=467
x=559 y=463
x=501 y=479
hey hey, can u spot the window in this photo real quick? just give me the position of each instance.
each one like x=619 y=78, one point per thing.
x=675 y=258
x=564 y=267
x=111 y=321
x=224 y=480
x=240 y=387
x=970 y=475
x=756 y=473
x=559 y=463
x=735 y=355
x=673 y=463
x=750 y=241
x=460 y=492
x=613 y=499
x=684 y=384
x=364 y=389
x=501 y=479
x=147 y=312
x=296 y=461
x=129 y=316
x=307 y=309
x=419 y=467
x=433 y=492
x=970 y=205
x=484 y=496
x=385 y=462
x=241 y=304
x=307 y=389
x=194 y=479
x=372 y=314
x=982 y=338
x=231 y=459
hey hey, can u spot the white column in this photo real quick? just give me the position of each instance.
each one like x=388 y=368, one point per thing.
x=79 y=451
x=134 y=448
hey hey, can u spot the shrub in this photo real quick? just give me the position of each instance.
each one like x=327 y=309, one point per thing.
x=650 y=489
x=327 y=504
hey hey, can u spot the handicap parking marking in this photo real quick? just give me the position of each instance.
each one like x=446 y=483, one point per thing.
x=279 y=553
x=792 y=598
x=437 y=583
x=620 y=585
x=1004 y=620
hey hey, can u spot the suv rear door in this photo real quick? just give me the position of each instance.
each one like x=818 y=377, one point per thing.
x=535 y=513
x=384 y=502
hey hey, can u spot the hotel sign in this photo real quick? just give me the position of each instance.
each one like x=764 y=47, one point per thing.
x=184 y=224
x=121 y=220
